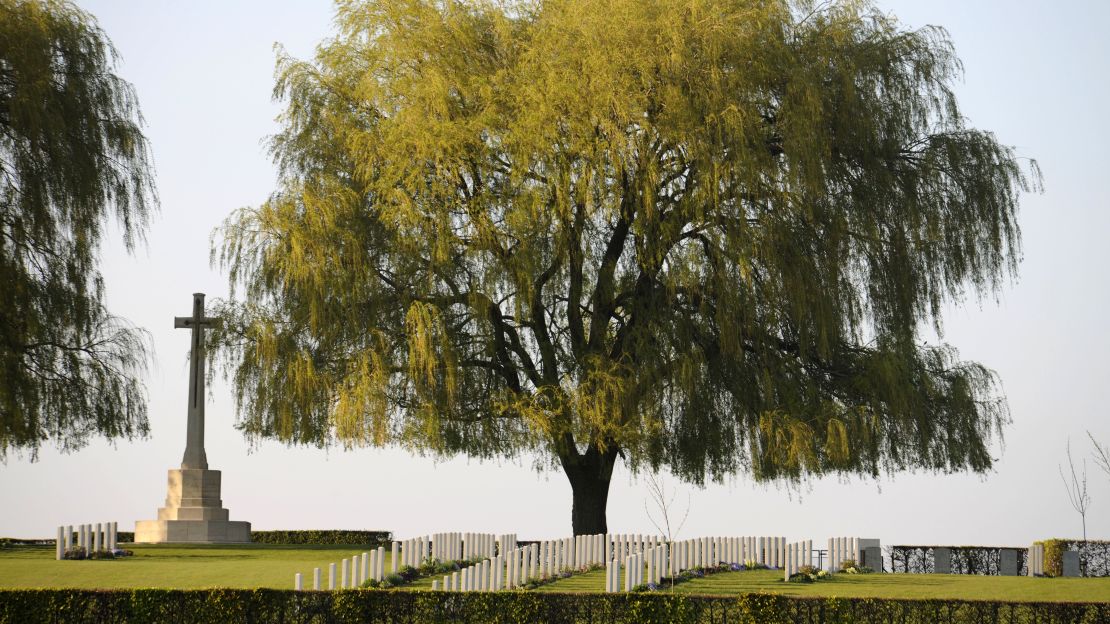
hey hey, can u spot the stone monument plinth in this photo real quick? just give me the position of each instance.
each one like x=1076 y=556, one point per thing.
x=194 y=511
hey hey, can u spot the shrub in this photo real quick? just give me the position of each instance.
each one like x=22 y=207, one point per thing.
x=808 y=574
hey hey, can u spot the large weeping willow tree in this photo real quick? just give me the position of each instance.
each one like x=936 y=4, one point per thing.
x=700 y=235
x=72 y=156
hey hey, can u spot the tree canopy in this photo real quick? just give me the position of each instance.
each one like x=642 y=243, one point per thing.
x=72 y=155
x=700 y=235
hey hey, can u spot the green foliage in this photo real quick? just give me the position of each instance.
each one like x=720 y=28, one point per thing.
x=808 y=574
x=71 y=156
x=850 y=566
x=334 y=536
x=146 y=606
x=1054 y=556
x=406 y=574
x=699 y=235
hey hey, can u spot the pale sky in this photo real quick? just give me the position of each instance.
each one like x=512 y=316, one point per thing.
x=1036 y=74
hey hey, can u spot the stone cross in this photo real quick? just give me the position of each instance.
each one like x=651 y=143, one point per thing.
x=194 y=440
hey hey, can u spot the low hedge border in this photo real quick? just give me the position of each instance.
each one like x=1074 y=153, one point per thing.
x=328 y=537
x=266 y=606
x=324 y=537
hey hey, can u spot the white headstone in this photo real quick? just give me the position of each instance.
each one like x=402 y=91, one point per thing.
x=344 y=579
x=297 y=582
x=331 y=576
x=316 y=579
x=59 y=544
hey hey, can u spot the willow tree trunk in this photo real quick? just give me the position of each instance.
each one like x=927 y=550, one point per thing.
x=589 y=474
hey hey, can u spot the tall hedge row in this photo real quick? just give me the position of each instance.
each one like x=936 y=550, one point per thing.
x=1094 y=556
x=262 y=606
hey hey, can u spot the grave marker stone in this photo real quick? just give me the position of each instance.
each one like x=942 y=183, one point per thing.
x=942 y=560
x=873 y=558
x=1071 y=563
x=1008 y=562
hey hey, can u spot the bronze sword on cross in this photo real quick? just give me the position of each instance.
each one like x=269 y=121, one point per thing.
x=194 y=438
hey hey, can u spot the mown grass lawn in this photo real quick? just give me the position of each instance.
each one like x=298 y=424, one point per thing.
x=175 y=566
x=1008 y=588
x=270 y=566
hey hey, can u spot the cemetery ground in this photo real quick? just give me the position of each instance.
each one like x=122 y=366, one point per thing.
x=272 y=566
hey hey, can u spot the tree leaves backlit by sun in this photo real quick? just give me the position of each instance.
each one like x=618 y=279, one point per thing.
x=701 y=235
x=71 y=156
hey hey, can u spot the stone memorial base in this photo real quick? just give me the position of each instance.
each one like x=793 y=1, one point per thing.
x=193 y=513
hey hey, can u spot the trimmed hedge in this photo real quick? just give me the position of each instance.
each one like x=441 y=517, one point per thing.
x=1094 y=556
x=329 y=537
x=965 y=559
x=265 y=606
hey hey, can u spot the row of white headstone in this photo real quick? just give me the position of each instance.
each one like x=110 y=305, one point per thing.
x=656 y=558
x=517 y=566
x=842 y=549
x=444 y=547
x=352 y=572
x=631 y=552
x=798 y=554
x=508 y=571
x=508 y=567
x=89 y=538
x=452 y=547
x=671 y=559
